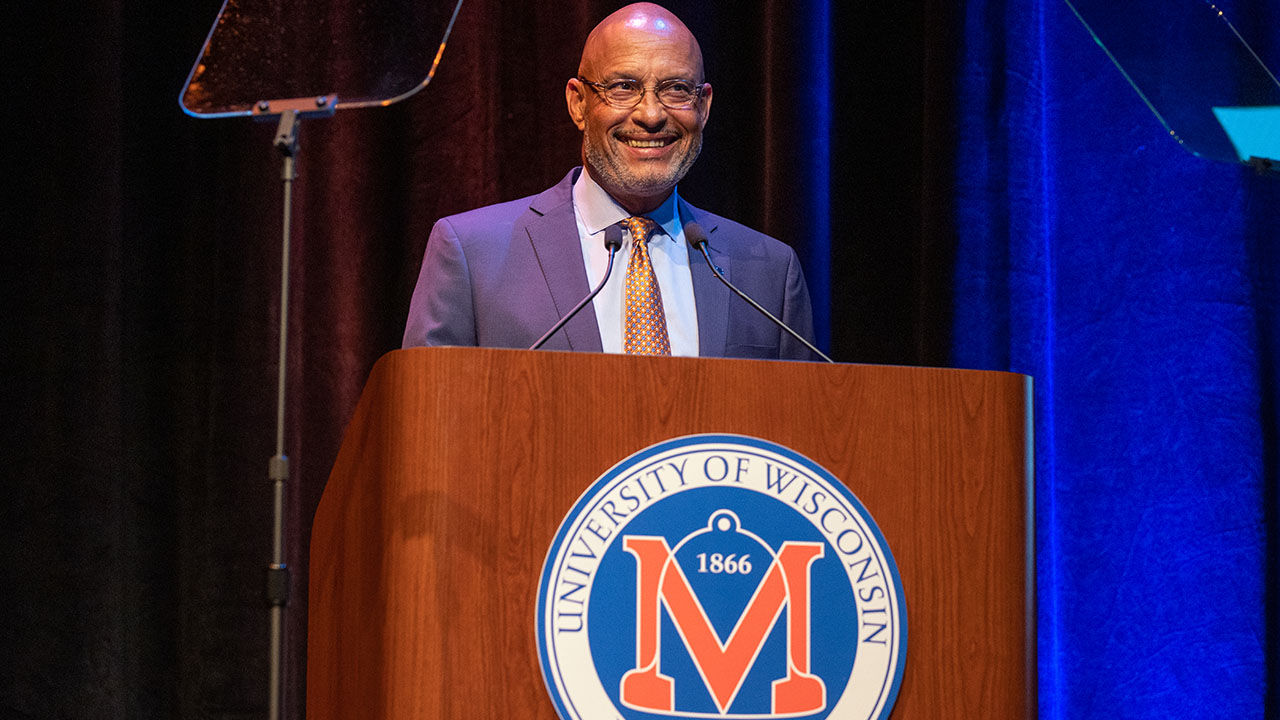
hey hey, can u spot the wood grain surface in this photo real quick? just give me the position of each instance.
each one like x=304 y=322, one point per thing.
x=460 y=464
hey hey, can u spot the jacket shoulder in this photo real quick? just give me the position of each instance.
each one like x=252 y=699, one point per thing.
x=501 y=217
x=734 y=238
x=489 y=219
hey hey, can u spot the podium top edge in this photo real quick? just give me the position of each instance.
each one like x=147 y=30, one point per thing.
x=593 y=357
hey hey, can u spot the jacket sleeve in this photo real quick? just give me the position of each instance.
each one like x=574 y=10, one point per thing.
x=797 y=313
x=442 y=311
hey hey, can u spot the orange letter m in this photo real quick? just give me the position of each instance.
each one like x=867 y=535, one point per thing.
x=723 y=665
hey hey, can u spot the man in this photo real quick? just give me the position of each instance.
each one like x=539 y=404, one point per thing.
x=503 y=275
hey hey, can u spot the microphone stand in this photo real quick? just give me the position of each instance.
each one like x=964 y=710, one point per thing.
x=696 y=236
x=613 y=241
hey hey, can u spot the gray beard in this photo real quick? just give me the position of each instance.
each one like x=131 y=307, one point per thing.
x=620 y=176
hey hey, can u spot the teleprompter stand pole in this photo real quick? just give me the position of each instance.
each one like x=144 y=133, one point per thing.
x=290 y=112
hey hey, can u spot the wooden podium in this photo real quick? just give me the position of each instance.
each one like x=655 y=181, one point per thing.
x=460 y=464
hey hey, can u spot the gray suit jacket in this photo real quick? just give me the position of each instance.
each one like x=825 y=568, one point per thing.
x=502 y=275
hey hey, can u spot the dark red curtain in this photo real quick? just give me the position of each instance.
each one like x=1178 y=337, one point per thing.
x=141 y=290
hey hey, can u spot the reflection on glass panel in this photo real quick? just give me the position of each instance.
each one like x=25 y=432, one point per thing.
x=1185 y=58
x=367 y=53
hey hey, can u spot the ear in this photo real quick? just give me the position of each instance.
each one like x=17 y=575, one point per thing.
x=575 y=96
x=705 y=104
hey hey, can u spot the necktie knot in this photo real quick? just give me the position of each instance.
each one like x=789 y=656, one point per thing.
x=641 y=228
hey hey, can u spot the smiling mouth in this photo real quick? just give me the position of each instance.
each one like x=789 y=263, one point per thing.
x=647 y=142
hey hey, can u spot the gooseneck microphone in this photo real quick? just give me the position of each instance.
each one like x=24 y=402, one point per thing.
x=695 y=236
x=612 y=241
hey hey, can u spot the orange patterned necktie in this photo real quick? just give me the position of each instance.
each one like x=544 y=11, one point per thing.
x=646 y=328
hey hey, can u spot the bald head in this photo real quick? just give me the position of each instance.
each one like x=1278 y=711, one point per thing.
x=643 y=23
x=638 y=151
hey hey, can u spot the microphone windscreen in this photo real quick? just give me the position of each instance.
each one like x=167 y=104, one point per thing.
x=694 y=235
x=613 y=237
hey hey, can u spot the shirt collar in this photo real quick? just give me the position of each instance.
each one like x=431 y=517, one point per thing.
x=599 y=210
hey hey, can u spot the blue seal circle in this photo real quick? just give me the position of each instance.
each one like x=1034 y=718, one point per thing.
x=720 y=576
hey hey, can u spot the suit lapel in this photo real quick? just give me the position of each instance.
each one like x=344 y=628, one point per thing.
x=710 y=295
x=554 y=236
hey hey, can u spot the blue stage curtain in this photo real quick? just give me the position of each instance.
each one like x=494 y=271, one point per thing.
x=816 y=250
x=1138 y=284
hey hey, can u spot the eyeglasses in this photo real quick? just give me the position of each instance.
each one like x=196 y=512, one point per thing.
x=626 y=94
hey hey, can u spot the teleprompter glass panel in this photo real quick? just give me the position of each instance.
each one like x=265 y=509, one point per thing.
x=1193 y=68
x=367 y=53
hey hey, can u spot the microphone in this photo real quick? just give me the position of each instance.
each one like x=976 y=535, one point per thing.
x=612 y=241
x=694 y=234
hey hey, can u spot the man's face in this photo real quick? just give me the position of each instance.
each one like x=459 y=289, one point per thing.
x=639 y=154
